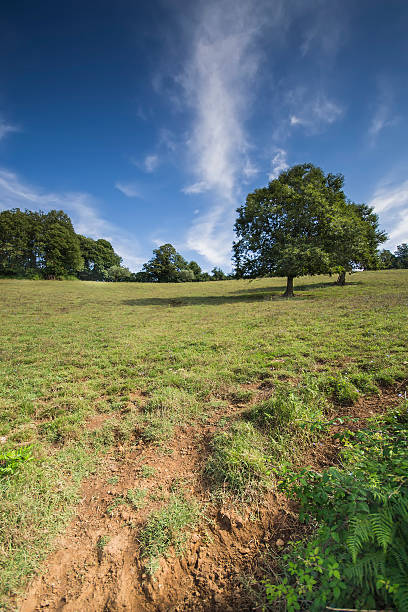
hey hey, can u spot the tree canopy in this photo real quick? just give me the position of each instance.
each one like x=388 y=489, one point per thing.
x=45 y=245
x=302 y=224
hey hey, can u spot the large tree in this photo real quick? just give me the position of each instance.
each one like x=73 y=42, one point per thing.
x=167 y=266
x=298 y=225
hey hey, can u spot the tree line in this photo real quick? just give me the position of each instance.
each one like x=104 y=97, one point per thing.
x=38 y=245
x=300 y=224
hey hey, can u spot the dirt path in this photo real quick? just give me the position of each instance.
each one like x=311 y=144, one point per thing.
x=84 y=575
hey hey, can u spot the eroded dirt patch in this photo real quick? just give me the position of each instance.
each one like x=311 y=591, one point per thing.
x=97 y=565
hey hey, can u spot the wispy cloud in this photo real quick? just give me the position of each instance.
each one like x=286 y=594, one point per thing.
x=324 y=29
x=7 y=128
x=278 y=164
x=382 y=117
x=82 y=208
x=130 y=190
x=312 y=112
x=217 y=85
x=392 y=199
x=195 y=188
x=151 y=162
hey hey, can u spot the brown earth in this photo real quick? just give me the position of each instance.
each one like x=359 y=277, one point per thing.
x=225 y=557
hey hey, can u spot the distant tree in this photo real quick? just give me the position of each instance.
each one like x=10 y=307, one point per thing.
x=353 y=238
x=141 y=277
x=218 y=274
x=59 y=250
x=401 y=255
x=19 y=233
x=387 y=259
x=185 y=276
x=205 y=277
x=166 y=265
x=118 y=274
x=193 y=265
x=98 y=256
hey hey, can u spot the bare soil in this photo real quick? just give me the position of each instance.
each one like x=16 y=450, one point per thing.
x=231 y=545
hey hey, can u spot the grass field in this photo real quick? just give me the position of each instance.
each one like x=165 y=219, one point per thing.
x=84 y=365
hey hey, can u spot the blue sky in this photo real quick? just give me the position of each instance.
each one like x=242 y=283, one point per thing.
x=149 y=122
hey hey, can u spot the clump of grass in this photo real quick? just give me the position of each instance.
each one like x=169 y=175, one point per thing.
x=147 y=471
x=171 y=401
x=167 y=528
x=157 y=429
x=341 y=389
x=238 y=459
x=282 y=411
x=136 y=497
x=241 y=396
x=100 y=546
x=113 y=480
x=364 y=382
x=115 y=503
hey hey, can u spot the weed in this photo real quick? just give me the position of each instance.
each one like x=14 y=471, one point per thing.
x=12 y=460
x=358 y=557
x=100 y=546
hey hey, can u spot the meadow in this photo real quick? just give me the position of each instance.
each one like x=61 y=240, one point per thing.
x=88 y=368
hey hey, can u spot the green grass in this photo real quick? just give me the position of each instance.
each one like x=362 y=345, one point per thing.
x=71 y=350
x=238 y=460
x=167 y=528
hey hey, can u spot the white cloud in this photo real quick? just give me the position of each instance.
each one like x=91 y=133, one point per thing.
x=195 y=188
x=218 y=86
x=7 y=128
x=81 y=207
x=314 y=112
x=151 y=162
x=278 y=164
x=249 y=169
x=390 y=201
x=130 y=190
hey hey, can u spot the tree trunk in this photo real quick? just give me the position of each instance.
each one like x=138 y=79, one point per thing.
x=341 y=281
x=289 y=288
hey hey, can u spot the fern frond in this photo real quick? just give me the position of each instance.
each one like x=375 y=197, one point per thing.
x=383 y=528
x=360 y=533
